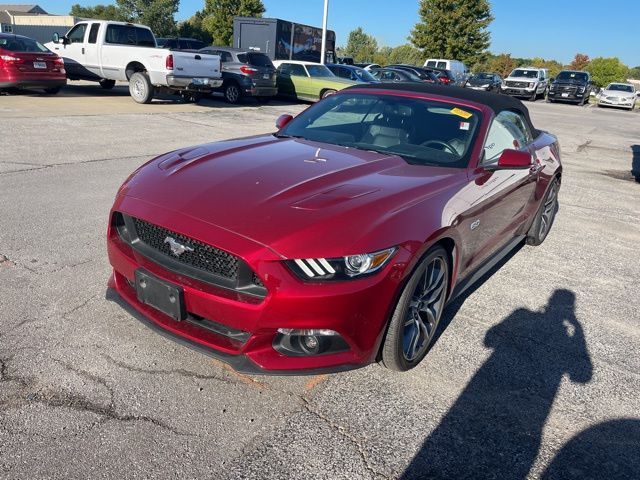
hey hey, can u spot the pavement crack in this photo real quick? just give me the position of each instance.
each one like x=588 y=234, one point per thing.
x=583 y=146
x=181 y=372
x=348 y=435
x=78 y=307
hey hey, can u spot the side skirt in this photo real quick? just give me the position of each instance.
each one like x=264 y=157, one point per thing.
x=491 y=262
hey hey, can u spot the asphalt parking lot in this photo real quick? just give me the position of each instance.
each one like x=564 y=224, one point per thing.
x=535 y=375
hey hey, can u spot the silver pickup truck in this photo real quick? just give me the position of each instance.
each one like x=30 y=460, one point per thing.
x=528 y=82
x=106 y=51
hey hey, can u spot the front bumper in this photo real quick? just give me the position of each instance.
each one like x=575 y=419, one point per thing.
x=567 y=97
x=616 y=103
x=193 y=84
x=358 y=310
x=517 y=92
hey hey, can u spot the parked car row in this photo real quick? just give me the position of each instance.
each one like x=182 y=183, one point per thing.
x=106 y=52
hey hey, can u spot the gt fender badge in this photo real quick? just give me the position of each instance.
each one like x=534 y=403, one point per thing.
x=474 y=225
x=176 y=247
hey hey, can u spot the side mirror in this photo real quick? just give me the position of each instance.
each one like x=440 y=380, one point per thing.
x=552 y=79
x=282 y=121
x=514 y=160
x=56 y=37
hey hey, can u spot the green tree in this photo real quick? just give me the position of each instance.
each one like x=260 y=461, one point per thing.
x=156 y=14
x=218 y=17
x=361 y=46
x=407 y=54
x=193 y=28
x=635 y=73
x=553 y=66
x=606 y=70
x=579 y=62
x=99 y=12
x=453 y=29
x=502 y=64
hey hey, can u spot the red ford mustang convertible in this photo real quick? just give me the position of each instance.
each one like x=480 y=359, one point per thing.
x=338 y=240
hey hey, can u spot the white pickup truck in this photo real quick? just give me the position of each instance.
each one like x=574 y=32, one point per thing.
x=106 y=51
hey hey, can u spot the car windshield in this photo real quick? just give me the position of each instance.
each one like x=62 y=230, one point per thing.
x=423 y=132
x=573 y=77
x=319 y=71
x=619 y=87
x=482 y=77
x=363 y=75
x=524 y=73
x=21 y=44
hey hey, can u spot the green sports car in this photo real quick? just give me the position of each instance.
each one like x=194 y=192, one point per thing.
x=307 y=81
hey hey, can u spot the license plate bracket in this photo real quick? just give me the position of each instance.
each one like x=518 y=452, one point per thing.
x=163 y=296
x=565 y=95
x=40 y=65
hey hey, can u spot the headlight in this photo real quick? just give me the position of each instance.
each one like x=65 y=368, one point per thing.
x=531 y=85
x=342 y=268
x=484 y=86
x=581 y=89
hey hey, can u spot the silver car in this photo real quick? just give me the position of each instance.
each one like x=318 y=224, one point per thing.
x=618 y=95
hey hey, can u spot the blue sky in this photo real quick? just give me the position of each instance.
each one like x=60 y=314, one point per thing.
x=546 y=28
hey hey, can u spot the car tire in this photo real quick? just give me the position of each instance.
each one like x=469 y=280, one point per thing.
x=107 y=84
x=534 y=95
x=417 y=313
x=327 y=93
x=140 y=88
x=52 y=91
x=545 y=216
x=232 y=93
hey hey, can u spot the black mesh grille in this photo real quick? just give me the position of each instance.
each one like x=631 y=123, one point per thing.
x=256 y=281
x=203 y=257
x=511 y=83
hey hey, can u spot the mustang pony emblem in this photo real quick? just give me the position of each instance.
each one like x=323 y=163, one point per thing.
x=176 y=247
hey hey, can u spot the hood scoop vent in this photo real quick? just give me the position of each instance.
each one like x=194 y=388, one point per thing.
x=334 y=196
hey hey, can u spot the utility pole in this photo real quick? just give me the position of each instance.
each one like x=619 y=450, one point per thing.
x=323 y=52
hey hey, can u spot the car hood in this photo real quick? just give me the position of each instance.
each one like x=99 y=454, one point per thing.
x=617 y=93
x=291 y=195
x=522 y=79
x=476 y=82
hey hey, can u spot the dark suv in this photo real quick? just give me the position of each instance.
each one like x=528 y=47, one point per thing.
x=571 y=86
x=245 y=73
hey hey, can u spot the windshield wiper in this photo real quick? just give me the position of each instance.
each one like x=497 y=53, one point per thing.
x=281 y=135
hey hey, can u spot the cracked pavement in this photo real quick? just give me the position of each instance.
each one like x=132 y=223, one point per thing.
x=88 y=391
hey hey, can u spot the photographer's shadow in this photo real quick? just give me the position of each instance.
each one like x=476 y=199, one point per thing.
x=494 y=429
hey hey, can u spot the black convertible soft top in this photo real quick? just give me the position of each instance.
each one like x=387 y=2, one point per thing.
x=494 y=101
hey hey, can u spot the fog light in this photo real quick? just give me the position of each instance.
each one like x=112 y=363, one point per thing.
x=308 y=342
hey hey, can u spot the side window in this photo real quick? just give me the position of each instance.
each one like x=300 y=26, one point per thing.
x=226 y=57
x=93 y=33
x=76 y=35
x=508 y=131
x=298 y=70
x=144 y=38
x=284 y=69
x=442 y=65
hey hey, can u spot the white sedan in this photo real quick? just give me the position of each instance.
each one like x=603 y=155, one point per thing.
x=618 y=95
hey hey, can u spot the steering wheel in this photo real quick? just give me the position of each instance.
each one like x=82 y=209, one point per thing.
x=440 y=143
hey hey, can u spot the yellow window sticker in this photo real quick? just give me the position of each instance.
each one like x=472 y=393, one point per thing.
x=462 y=113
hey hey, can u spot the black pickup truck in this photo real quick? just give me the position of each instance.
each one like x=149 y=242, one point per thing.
x=570 y=86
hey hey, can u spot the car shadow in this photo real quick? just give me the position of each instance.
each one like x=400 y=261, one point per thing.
x=494 y=429
x=610 y=450
x=90 y=90
x=635 y=162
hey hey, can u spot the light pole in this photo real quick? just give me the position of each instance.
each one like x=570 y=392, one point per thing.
x=323 y=52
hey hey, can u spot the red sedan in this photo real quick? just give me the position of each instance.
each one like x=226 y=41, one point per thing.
x=25 y=63
x=338 y=240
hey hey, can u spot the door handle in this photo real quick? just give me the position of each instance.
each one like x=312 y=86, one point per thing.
x=83 y=50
